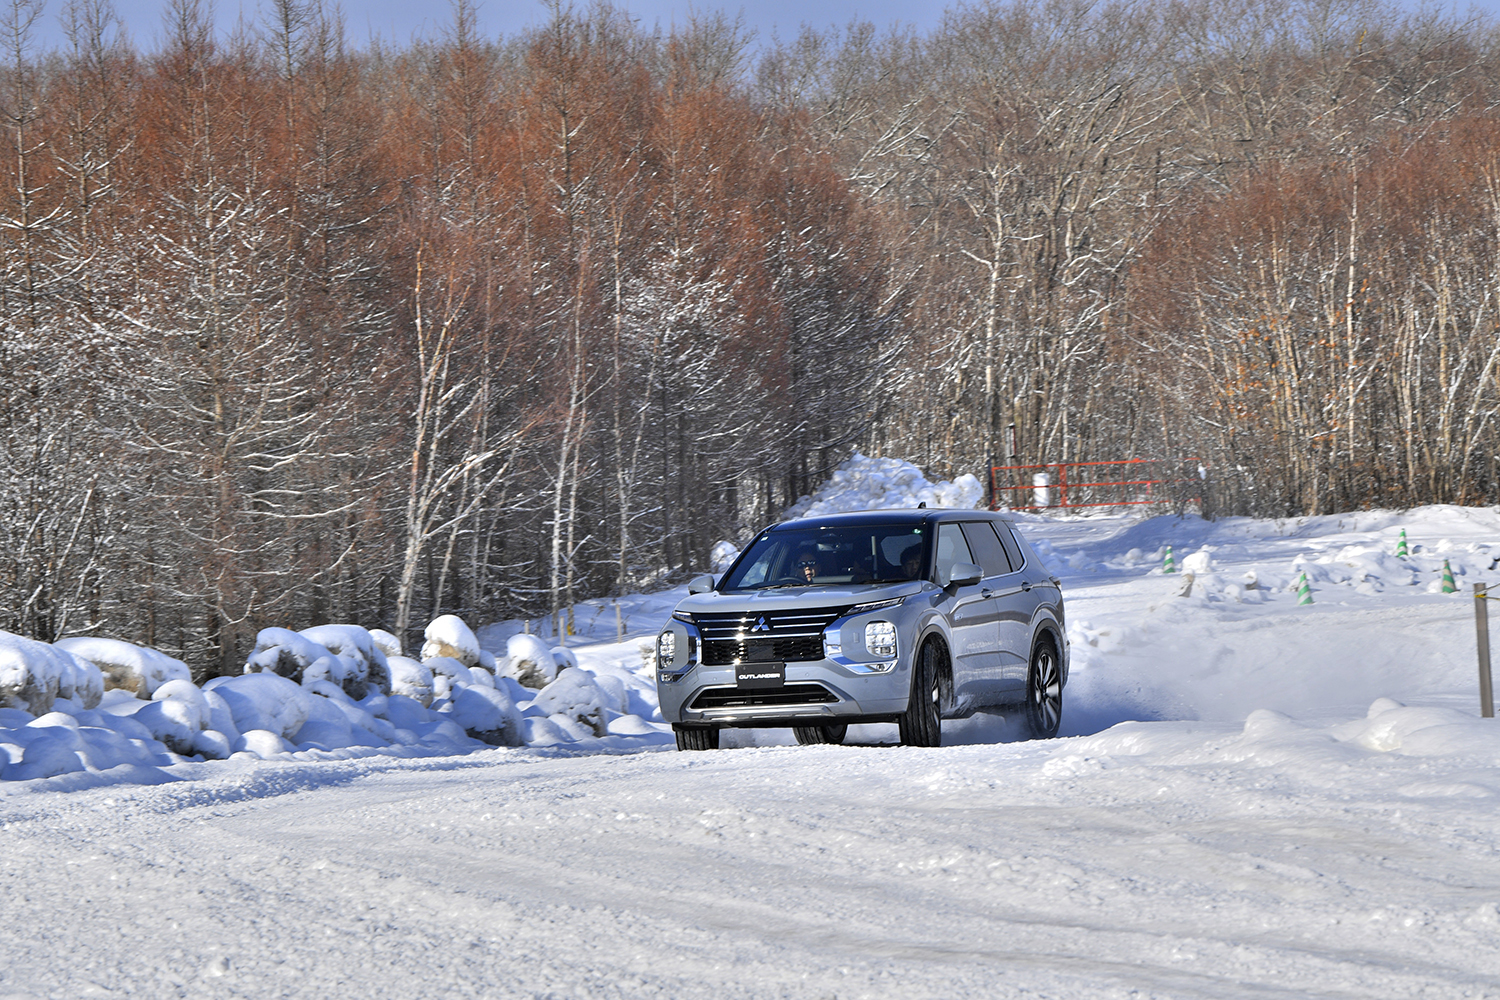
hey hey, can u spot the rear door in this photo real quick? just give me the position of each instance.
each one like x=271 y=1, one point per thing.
x=1020 y=598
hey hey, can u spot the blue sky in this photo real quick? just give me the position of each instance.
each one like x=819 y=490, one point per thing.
x=399 y=20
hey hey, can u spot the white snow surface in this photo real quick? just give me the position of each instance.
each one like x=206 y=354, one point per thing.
x=1250 y=798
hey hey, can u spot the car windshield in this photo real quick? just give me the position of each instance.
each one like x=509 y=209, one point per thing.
x=810 y=557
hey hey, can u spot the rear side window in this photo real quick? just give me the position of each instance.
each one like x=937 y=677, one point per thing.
x=1009 y=541
x=983 y=543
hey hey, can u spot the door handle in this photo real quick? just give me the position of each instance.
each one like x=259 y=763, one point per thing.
x=1025 y=584
x=986 y=593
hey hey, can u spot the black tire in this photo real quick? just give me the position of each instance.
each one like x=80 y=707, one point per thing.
x=921 y=725
x=807 y=735
x=1044 y=691
x=696 y=737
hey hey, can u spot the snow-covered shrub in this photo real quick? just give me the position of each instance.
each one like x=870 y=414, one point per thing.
x=365 y=663
x=563 y=657
x=263 y=701
x=124 y=665
x=388 y=643
x=80 y=682
x=577 y=695
x=447 y=635
x=287 y=654
x=529 y=661
x=411 y=678
x=447 y=675
x=487 y=714
x=34 y=674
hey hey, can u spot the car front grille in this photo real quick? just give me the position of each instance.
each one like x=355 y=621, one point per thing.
x=791 y=694
x=722 y=652
x=772 y=635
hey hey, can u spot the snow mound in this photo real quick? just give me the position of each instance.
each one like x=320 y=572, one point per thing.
x=864 y=483
x=578 y=696
x=487 y=714
x=263 y=701
x=136 y=669
x=448 y=635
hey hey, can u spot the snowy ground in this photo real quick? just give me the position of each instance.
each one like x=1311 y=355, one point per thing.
x=1241 y=807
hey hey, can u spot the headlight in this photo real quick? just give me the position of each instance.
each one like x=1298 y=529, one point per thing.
x=880 y=638
x=860 y=609
x=666 y=648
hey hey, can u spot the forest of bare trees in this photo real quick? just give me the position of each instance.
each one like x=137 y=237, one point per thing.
x=296 y=331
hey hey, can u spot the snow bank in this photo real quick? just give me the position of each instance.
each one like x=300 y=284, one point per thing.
x=124 y=665
x=864 y=483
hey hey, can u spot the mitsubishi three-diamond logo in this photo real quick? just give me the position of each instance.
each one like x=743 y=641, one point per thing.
x=761 y=625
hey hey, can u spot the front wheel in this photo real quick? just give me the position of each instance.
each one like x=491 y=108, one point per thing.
x=1044 y=692
x=696 y=737
x=921 y=725
x=807 y=735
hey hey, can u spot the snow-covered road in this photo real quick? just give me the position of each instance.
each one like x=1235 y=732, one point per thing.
x=1271 y=825
x=1168 y=859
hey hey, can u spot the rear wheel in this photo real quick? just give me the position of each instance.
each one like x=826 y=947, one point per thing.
x=820 y=734
x=921 y=725
x=696 y=737
x=1044 y=692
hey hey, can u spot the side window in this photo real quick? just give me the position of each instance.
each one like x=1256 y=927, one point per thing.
x=1009 y=541
x=983 y=543
x=951 y=548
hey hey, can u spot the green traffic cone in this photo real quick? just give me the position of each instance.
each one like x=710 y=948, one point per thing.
x=1448 y=586
x=1169 y=565
x=1401 y=545
x=1304 y=592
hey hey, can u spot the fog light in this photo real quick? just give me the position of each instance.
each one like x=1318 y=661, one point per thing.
x=880 y=639
x=666 y=648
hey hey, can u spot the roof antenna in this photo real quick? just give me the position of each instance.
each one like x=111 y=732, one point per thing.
x=922 y=505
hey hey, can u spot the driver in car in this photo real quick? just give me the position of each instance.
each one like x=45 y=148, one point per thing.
x=911 y=561
x=807 y=564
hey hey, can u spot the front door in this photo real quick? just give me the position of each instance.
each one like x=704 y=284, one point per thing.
x=972 y=622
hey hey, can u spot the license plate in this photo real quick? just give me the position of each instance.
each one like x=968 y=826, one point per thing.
x=750 y=676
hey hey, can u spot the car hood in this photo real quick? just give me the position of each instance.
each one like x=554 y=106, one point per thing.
x=796 y=598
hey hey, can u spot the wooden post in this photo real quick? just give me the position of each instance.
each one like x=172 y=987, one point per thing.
x=1482 y=633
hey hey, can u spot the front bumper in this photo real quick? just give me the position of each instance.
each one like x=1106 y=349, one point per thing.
x=819 y=692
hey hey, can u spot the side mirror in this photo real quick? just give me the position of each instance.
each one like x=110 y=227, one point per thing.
x=701 y=584
x=963 y=574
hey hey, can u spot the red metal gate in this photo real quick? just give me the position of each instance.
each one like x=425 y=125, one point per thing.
x=1087 y=484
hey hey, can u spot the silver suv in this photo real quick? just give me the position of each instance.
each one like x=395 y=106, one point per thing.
x=905 y=616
